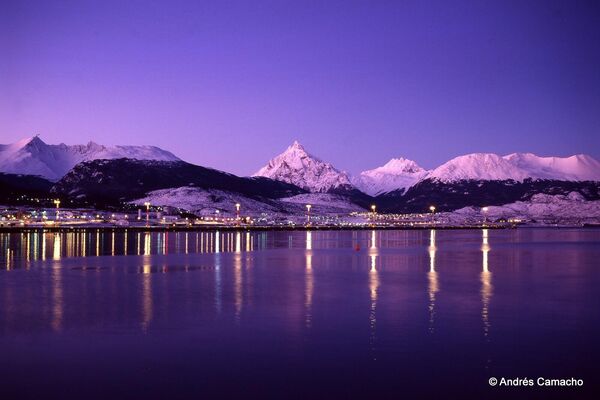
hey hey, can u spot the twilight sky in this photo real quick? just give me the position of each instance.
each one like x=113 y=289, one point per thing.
x=230 y=84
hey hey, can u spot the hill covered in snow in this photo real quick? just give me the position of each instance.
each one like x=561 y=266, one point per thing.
x=32 y=156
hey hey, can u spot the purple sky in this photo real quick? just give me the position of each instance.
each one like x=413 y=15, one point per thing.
x=231 y=84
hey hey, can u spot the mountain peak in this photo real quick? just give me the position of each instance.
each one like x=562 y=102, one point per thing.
x=296 y=145
x=30 y=141
x=296 y=166
x=401 y=165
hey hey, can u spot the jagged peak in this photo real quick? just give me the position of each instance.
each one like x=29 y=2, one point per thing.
x=29 y=141
x=295 y=165
x=296 y=145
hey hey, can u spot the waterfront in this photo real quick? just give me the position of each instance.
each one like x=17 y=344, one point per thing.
x=337 y=314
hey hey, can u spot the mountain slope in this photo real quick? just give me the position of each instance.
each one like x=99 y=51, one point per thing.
x=448 y=196
x=299 y=168
x=23 y=189
x=32 y=156
x=111 y=182
x=398 y=173
x=204 y=202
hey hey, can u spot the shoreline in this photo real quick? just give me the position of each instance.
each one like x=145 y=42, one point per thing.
x=22 y=229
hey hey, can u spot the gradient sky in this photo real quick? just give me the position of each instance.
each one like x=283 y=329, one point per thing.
x=230 y=84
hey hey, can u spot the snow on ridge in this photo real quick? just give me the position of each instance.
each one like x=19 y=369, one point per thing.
x=31 y=156
x=296 y=166
x=579 y=167
x=480 y=166
x=517 y=166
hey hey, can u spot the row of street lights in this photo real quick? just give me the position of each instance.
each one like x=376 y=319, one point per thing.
x=432 y=209
x=308 y=208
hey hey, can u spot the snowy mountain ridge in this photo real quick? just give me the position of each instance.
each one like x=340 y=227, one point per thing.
x=517 y=166
x=31 y=156
x=295 y=165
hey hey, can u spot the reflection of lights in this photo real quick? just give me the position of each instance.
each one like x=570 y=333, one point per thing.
x=97 y=243
x=237 y=276
x=36 y=242
x=8 y=260
x=373 y=289
x=432 y=249
x=373 y=250
x=27 y=244
x=486 y=284
x=432 y=277
x=485 y=248
x=147 y=302
x=112 y=244
x=138 y=242
x=309 y=282
x=217 y=242
x=238 y=242
x=57 y=246
x=147 y=243
x=218 y=281
x=44 y=247
x=57 y=294
x=248 y=241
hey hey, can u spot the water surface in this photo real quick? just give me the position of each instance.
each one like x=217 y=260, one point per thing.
x=322 y=314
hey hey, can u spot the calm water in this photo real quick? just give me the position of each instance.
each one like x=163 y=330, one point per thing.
x=331 y=314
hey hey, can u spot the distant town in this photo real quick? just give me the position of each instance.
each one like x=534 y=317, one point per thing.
x=157 y=217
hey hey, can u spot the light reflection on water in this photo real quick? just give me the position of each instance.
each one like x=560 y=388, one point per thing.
x=432 y=277
x=374 y=296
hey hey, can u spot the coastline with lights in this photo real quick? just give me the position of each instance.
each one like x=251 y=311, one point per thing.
x=148 y=216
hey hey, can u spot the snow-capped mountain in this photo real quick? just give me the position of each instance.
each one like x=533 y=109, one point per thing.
x=32 y=156
x=398 y=173
x=517 y=167
x=299 y=168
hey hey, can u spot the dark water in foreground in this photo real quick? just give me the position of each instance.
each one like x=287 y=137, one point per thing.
x=417 y=314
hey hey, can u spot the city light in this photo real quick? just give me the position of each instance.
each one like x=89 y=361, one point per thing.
x=57 y=202
x=147 y=204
